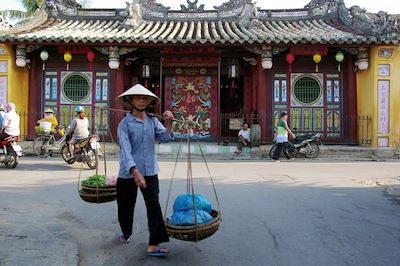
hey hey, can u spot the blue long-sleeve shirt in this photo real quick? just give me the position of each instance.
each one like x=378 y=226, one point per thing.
x=137 y=149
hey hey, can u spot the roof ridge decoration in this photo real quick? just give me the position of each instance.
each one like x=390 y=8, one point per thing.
x=231 y=10
x=134 y=18
x=64 y=7
x=362 y=22
x=4 y=25
x=192 y=7
x=323 y=7
x=38 y=18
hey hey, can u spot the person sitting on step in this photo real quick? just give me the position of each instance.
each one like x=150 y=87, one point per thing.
x=244 y=138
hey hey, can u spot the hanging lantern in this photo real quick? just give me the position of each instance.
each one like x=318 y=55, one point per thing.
x=317 y=58
x=90 y=56
x=233 y=74
x=44 y=55
x=290 y=60
x=339 y=58
x=67 y=58
x=146 y=71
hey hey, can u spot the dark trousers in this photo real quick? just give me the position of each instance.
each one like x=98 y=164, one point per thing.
x=242 y=142
x=126 y=199
x=3 y=135
x=281 y=146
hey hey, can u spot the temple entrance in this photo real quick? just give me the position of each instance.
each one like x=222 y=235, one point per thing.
x=231 y=95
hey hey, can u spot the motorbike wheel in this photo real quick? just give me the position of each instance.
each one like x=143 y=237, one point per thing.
x=65 y=155
x=39 y=146
x=312 y=150
x=93 y=159
x=14 y=159
x=272 y=151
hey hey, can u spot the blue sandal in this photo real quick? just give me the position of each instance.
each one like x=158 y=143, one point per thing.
x=158 y=252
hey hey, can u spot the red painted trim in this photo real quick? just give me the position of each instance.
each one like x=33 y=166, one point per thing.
x=262 y=100
x=34 y=99
x=351 y=102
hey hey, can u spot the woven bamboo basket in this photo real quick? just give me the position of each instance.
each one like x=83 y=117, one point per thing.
x=194 y=233
x=100 y=189
x=98 y=197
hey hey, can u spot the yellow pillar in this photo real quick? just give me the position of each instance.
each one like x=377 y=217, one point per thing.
x=378 y=96
x=14 y=83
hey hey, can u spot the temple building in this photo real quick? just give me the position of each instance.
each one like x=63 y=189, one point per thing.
x=332 y=68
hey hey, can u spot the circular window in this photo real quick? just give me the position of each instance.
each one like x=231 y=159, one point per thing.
x=76 y=88
x=307 y=90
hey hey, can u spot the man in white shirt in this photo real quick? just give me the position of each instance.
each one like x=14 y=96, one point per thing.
x=10 y=123
x=244 y=138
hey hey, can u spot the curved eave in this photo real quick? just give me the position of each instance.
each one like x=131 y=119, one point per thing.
x=315 y=31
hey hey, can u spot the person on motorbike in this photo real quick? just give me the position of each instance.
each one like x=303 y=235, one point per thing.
x=281 y=137
x=79 y=129
x=2 y=114
x=48 y=117
x=10 y=126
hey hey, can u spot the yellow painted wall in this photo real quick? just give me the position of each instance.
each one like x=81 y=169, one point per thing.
x=367 y=96
x=18 y=85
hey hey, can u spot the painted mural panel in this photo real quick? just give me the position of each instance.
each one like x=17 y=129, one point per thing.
x=276 y=90
x=307 y=119
x=100 y=120
x=295 y=119
x=194 y=98
x=318 y=119
x=383 y=106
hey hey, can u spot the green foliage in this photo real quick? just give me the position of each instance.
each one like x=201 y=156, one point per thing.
x=95 y=180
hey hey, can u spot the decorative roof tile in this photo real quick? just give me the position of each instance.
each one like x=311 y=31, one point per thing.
x=235 y=22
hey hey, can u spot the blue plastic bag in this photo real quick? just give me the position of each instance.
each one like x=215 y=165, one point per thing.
x=187 y=217
x=184 y=202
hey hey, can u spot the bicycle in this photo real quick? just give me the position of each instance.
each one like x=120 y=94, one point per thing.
x=45 y=143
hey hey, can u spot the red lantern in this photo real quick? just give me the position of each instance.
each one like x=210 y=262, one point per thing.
x=290 y=60
x=90 y=57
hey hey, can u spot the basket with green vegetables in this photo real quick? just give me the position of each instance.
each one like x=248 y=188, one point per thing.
x=96 y=183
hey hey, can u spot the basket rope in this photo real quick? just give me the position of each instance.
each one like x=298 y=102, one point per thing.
x=189 y=179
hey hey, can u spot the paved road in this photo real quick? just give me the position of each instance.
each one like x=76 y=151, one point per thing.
x=289 y=213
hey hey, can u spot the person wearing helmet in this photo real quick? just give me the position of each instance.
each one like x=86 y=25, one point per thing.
x=138 y=167
x=48 y=117
x=79 y=129
x=10 y=125
x=2 y=114
x=281 y=138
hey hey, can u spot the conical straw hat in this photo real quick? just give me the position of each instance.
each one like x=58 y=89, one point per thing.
x=136 y=90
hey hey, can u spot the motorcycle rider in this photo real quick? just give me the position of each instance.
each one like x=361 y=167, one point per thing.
x=79 y=129
x=10 y=126
x=49 y=117
x=281 y=138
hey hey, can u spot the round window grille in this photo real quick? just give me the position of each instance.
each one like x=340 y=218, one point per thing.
x=307 y=90
x=76 y=88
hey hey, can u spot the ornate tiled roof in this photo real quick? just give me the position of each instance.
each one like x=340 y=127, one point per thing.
x=234 y=22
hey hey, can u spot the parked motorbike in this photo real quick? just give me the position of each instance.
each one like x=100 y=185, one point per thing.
x=10 y=152
x=86 y=151
x=307 y=145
